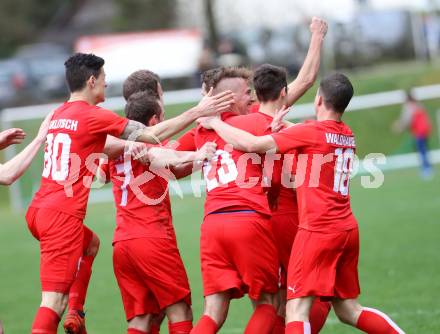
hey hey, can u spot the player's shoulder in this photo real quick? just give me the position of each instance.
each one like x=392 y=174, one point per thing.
x=202 y=135
x=337 y=127
x=308 y=125
x=247 y=117
x=256 y=123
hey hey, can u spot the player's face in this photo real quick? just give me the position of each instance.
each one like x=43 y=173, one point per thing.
x=242 y=91
x=243 y=97
x=99 y=87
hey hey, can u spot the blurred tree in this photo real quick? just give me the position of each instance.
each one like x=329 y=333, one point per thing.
x=21 y=21
x=212 y=24
x=145 y=14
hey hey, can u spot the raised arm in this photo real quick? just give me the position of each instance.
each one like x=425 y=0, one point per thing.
x=209 y=105
x=14 y=168
x=309 y=70
x=239 y=139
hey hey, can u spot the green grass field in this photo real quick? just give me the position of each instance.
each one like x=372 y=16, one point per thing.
x=399 y=265
x=399 y=222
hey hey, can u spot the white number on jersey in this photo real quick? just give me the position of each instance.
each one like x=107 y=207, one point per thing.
x=58 y=172
x=227 y=172
x=343 y=169
x=124 y=167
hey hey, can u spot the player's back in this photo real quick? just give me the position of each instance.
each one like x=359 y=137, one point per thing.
x=143 y=207
x=234 y=178
x=282 y=191
x=76 y=136
x=323 y=186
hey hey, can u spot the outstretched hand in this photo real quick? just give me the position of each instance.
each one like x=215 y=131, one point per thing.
x=206 y=122
x=211 y=105
x=10 y=137
x=139 y=152
x=277 y=122
x=207 y=151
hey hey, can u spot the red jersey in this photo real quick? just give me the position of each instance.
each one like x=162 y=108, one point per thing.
x=76 y=136
x=143 y=207
x=233 y=178
x=323 y=196
x=420 y=123
x=284 y=193
x=187 y=140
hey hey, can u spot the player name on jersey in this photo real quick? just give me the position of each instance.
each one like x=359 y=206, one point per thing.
x=340 y=140
x=63 y=123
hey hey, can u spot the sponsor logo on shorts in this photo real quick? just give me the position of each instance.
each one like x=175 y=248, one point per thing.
x=293 y=289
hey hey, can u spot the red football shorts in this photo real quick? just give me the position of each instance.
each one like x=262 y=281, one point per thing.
x=61 y=246
x=238 y=253
x=324 y=265
x=284 y=227
x=150 y=275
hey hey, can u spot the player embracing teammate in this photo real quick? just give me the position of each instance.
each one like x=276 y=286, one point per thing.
x=76 y=138
x=324 y=258
x=238 y=248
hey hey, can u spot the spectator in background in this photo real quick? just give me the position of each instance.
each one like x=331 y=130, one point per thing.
x=415 y=118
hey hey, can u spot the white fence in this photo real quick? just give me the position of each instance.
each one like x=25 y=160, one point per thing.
x=10 y=115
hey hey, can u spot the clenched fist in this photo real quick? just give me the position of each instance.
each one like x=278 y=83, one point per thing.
x=318 y=26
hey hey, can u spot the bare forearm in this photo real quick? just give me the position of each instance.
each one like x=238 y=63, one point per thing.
x=239 y=139
x=114 y=147
x=156 y=134
x=242 y=140
x=14 y=168
x=169 y=128
x=163 y=156
x=186 y=169
x=308 y=72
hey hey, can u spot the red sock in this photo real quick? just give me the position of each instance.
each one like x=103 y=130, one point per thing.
x=182 y=327
x=262 y=320
x=372 y=321
x=78 y=291
x=318 y=315
x=279 y=327
x=135 y=331
x=155 y=329
x=46 y=321
x=206 y=325
x=298 y=327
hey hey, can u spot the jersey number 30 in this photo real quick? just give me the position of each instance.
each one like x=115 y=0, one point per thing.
x=56 y=163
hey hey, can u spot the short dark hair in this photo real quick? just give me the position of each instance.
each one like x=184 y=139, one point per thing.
x=141 y=106
x=337 y=91
x=269 y=80
x=140 y=81
x=212 y=77
x=80 y=67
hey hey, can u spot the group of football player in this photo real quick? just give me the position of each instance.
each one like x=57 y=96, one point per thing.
x=291 y=244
